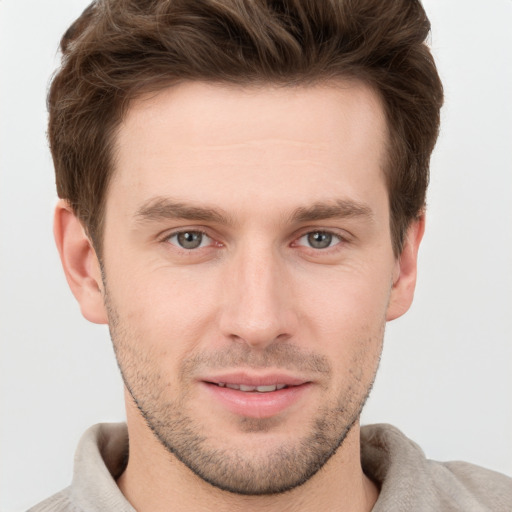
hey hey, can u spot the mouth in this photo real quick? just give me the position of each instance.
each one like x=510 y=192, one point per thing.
x=251 y=389
x=256 y=396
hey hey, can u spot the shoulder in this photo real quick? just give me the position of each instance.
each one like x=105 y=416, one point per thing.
x=489 y=488
x=99 y=459
x=59 y=502
x=410 y=481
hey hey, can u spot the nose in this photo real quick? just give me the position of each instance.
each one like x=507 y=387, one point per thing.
x=258 y=300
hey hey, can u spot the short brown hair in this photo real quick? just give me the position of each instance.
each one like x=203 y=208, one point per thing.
x=118 y=49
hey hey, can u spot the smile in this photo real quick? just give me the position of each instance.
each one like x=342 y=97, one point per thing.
x=256 y=396
x=259 y=389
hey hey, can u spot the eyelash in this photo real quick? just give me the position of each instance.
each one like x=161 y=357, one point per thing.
x=332 y=236
x=296 y=243
x=176 y=234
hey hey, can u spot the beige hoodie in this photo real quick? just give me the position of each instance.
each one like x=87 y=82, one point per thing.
x=408 y=481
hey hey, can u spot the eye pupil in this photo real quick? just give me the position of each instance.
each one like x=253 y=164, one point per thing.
x=190 y=239
x=319 y=239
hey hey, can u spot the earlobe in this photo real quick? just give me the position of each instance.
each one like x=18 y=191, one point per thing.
x=80 y=263
x=404 y=280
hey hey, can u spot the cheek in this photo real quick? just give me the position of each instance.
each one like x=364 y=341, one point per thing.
x=344 y=318
x=345 y=301
x=167 y=311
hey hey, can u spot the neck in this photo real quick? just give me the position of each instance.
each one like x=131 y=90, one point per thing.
x=154 y=480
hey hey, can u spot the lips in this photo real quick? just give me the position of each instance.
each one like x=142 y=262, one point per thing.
x=246 y=388
x=256 y=396
x=253 y=379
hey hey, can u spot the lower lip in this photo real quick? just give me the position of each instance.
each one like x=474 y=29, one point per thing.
x=253 y=404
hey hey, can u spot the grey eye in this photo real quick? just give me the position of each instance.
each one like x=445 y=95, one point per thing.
x=319 y=239
x=189 y=239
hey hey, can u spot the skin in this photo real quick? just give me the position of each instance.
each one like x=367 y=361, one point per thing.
x=255 y=175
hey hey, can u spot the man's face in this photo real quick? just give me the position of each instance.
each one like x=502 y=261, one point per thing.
x=248 y=272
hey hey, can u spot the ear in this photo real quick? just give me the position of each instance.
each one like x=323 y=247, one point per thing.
x=404 y=278
x=80 y=263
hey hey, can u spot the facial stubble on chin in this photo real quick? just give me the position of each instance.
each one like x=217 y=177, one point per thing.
x=227 y=468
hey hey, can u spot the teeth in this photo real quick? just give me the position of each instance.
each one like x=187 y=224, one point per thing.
x=259 y=389
x=266 y=389
x=243 y=387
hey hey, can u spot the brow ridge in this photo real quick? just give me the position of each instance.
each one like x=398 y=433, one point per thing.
x=162 y=208
x=340 y=208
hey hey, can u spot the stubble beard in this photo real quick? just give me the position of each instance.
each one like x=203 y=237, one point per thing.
x=227 y=468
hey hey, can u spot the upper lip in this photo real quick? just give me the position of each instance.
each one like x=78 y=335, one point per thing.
x=253 y=379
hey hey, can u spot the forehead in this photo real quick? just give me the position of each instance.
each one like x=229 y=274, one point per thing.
x=279 y=143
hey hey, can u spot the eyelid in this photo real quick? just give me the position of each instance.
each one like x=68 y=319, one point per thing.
x=166 y=237
x=342 y=235
x=336 y=239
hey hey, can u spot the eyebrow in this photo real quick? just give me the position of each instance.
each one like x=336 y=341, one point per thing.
x=339 y=209
x=161 y=208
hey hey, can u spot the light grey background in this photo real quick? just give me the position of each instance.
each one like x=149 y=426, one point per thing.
x=446 y=374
